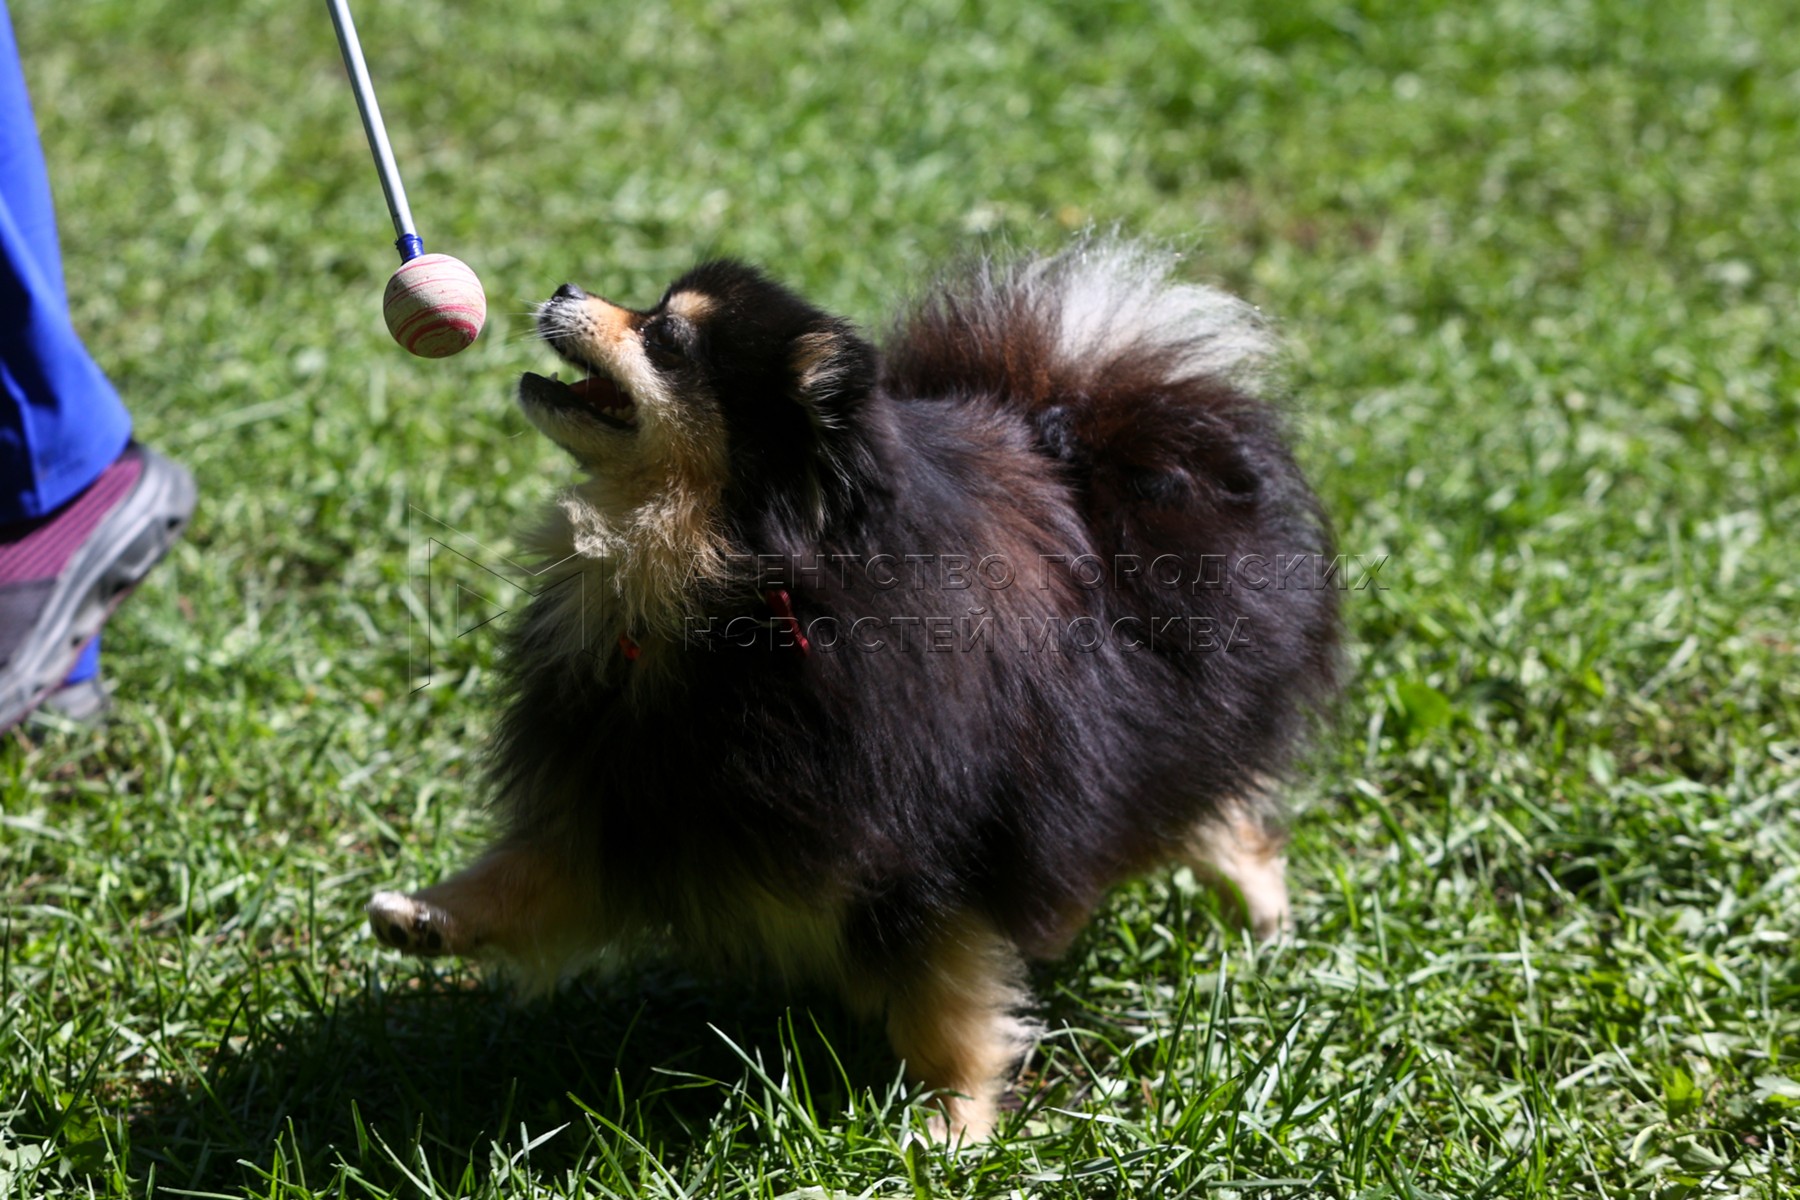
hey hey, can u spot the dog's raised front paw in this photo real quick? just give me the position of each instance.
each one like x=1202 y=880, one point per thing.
x=409 y=925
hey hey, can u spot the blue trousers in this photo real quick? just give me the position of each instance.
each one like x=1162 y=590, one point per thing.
x=61 y=422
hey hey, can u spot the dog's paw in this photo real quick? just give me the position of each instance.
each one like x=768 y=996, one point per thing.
x=410 y=925
x=1269 y=915
x=961 y=1122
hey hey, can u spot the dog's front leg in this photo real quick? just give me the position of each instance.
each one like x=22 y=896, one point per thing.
x=521 y=901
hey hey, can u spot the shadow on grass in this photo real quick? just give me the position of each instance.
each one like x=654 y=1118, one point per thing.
x=437 y=1075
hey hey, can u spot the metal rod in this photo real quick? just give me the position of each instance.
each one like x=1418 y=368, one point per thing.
x=407 y=240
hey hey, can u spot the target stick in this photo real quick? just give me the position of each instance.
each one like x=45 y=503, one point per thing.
x=433 y=305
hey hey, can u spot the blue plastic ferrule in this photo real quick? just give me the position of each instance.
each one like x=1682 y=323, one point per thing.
x=410 y=246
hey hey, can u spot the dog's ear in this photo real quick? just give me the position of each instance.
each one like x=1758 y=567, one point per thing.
x=833 y=370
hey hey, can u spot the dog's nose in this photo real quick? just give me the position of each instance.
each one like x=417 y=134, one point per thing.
x=569 y=291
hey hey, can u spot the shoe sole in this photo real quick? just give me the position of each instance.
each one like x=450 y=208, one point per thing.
x=114 y=560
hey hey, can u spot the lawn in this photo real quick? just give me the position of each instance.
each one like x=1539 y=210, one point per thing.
x=1535 y=266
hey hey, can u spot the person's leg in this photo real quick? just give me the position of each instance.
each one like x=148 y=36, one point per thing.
x=61 y=422
x=87 y=666
x=83 y=513
x=61 y=576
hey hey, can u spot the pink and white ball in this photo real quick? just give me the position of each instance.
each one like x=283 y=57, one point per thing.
x=434 y=305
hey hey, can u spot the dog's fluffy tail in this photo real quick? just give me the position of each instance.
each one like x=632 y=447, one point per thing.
x=1151 y=392
x=1152 y=396
x=1104 y=318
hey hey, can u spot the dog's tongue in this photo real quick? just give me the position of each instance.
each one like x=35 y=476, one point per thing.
x=599 y=391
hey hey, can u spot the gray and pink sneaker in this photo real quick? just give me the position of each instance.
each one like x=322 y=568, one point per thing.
x=62 y=575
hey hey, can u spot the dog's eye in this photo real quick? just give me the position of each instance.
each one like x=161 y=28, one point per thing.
x=662 y=342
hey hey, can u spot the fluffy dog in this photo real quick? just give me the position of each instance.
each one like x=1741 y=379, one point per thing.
x=877 y=668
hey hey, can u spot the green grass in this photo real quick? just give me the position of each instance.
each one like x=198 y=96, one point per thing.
x=1536 y=267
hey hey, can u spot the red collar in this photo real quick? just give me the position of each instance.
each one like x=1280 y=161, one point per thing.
x=782 y=606
x=781 y=610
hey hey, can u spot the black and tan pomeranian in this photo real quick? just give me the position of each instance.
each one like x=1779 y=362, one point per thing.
x=876 y=668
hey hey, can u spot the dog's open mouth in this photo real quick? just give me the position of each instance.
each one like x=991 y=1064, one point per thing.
x=596 y=396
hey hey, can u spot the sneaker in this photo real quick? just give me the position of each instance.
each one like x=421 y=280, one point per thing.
x=84 y=703
x=61 y=576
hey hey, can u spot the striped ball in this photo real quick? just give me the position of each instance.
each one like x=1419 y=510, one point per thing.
x=434 y=305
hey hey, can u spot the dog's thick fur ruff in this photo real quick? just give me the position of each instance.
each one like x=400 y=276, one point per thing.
x=1067 y=604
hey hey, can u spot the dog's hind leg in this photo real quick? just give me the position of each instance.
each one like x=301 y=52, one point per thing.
x=521 y=901
x=1239 y=855
x=954 y=1019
